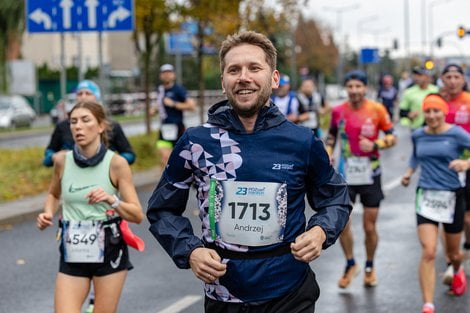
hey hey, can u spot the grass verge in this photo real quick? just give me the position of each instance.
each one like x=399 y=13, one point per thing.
x=22 y=173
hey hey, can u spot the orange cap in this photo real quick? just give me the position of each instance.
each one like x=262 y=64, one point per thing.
x=435 y=102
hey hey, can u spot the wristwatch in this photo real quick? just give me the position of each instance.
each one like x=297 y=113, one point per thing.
x=116 y=202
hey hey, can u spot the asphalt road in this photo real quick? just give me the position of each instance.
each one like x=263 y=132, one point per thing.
x=29 y=261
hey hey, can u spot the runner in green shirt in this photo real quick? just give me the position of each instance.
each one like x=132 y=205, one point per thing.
x=411 y=102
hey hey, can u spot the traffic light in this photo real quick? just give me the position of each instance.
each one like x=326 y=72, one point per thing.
x=395 y=44
x=429 y=64
x=439 y=42
x=461 y=31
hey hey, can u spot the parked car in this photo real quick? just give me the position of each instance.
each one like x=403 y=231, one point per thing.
x=61 y=110
x=15 y=111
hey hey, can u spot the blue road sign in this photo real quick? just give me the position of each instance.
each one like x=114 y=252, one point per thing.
x=179 y=43
x=369 y=56
x=184 y=41
x=51 y=16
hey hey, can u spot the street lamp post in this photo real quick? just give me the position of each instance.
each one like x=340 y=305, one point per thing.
x=339 y=11
x=431 y=21
x=423 y=26
x=406 y=15
x=361 y=23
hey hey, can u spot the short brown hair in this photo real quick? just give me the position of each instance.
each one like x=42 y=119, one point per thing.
x=99 y=113
x=249 y=38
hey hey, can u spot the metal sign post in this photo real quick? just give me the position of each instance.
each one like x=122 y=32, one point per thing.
x=63 y=73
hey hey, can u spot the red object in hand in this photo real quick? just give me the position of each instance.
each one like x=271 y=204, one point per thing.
x=130 y=238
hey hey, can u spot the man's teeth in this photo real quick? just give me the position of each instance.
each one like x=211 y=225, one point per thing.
x=245 y=92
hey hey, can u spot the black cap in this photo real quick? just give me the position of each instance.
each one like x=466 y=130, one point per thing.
x=421 y=70
x=452 y=67
x=355 y=75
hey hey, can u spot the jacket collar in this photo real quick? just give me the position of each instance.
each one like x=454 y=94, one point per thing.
x=222 y=115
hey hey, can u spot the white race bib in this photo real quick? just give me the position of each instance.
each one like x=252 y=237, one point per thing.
x=247 y=213
x=436 y=205
x=358 y=171
x=83 y=241
x=462 y=178
x=169 y=132
x=312 y=121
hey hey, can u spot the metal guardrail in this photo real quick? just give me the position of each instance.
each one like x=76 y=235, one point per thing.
x=131 y=103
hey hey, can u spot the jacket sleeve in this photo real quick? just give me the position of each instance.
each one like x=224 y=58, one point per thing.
x=327 y=194
x=55 y=145
x=167 y=204
x=119 y=143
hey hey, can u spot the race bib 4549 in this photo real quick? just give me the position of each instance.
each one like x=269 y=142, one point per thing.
x=83 y=241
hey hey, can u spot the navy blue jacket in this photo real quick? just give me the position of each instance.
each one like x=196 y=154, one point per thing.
x=277 y=151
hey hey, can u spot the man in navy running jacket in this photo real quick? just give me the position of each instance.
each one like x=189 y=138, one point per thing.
x=252 y=169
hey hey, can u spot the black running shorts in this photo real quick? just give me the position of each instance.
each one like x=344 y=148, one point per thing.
x=459 y=215
x=301 y=300
x=116 y=259
x=370 y=195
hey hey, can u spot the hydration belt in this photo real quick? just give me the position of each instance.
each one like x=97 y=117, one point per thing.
x=282 y=249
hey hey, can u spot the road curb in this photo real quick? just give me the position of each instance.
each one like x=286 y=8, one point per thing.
x=17 y=211
x=33 y=132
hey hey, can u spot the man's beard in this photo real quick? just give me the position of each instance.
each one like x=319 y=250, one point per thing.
x=356 y=99
x=247 y=112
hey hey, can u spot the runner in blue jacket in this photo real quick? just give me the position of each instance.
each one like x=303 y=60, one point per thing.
x=252 y=169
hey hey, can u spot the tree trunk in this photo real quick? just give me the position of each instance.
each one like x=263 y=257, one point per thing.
x=3 y=66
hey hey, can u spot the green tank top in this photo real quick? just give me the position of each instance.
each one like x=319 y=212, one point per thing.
x=77 y=182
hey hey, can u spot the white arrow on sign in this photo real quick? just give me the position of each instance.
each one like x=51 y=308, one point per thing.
x=38 y=16
x=66 y=6
x=120 y=14
x=91 y=5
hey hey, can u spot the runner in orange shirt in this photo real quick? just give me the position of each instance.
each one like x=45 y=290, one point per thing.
x=358 y=122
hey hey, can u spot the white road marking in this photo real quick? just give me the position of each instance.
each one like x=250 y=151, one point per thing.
x=181 y=304
x=392 y=184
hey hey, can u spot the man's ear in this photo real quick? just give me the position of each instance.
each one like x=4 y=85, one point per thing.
x=275 y=77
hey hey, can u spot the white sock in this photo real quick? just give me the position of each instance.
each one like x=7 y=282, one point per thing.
x=428 y=305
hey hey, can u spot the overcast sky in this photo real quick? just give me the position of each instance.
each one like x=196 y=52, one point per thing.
x=388 y=23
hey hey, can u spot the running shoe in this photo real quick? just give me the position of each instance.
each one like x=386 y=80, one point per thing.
x=427 y=309
x=370 y=277
x=349 y=274
x=459 y=283
x=448 y=275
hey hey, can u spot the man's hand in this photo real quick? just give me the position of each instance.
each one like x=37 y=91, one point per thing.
x=169 y=102
x=365 y=144
x=44 y=220
x=206 y=265
x=308 y=246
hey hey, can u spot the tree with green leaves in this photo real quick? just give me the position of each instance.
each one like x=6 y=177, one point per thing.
x=222 y=18
x=12 y=25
